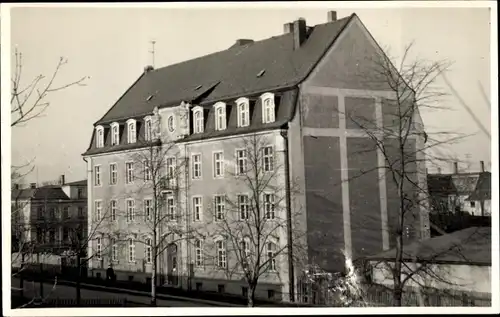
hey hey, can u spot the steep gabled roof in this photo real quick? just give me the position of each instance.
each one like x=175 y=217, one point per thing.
x=231 y=73
x=483 y=188
x=49 y=192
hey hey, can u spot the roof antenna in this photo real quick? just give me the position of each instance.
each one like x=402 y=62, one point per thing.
x=153 y=52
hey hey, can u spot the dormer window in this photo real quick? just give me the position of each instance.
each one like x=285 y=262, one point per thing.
x=131 y=131
x=115 y=133
x=268 y=109
x=148 y=128
x=99 y=136
x=243 y=107
x=198 y=119
x=220 y=116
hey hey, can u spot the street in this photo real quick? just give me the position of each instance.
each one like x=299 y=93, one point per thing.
x=62 y=291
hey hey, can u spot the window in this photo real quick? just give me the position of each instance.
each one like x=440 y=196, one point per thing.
x=267 y=158
x=114 y=250
x=148 y=256
x=269 y=206
x=473 y=204
x=243 y=112
x=219 y=207
x=130 y=210
x=98 y=210
x=271 y=256
x=245 y=251
x=267 y=108
x=131 y=250
x=244 y=291
x=99 y=247
x=113 y=210
x=218 y=164
x=80 y=193
x=113 y=174
x=97 y=175
x=243 y=207
x=131 y=133
x=198 y=121
x=147 y=172
x=221 y=288
x=171 y=164
x=220 y=116
x=270 y=294
x=80 y=212
x=39 y=235
x=241 y=162
x=115 y=133
x=196 y=158
x=197 y=208
x=52 y=213
x=171 y=208
x=148 y=129
x=129 y=172
x=148 y=209
x=100 y=136
x=198 y=246
x=65 y=213
x=65 y=237
x=221 y=254
x=40 y=212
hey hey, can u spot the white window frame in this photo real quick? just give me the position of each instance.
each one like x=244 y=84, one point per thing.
x=197 y=208
x=243 y=109
x=171 y=167
x=98 y=247
x=271 y=256
x=198 y=252
x=243 y=214
x=194 y=164
x=99 y=130
x=129 y=173
x=246 y=251
x=114 y=208
x=220 y=116
x=243 y=160
x=268 y=116
x=271 y=214
x=148 y=128
x=198 y=120
x=131 y=131
x=218 y=161
x=171 y=209
x=114 y=250
x=131 y=250
x=268 y=159
x=98 y=209
x=97 y=176
x=147 y=205
x=220 y=213
x=113 y=173
x=148 y=174
x=148 y=250
x=115 y=133
x=221 y=249
x=130 y=210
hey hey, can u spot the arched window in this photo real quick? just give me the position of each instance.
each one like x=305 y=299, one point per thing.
x=115 y=133
x=99 y=136
x=243 y=107
x=198 y=119
x=131 y=131
x=198 y=246
x=220 y=116
x=268 y=108
x=148 y=129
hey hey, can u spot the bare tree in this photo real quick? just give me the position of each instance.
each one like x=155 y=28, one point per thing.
x=250 y=230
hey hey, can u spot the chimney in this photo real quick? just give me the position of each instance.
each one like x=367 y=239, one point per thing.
x=482 y=166
x=332 y=16
x=33 y=185
x=287 y=28
x=62 y=180
x=455 y=167
x=148 y=68
x=299 y=33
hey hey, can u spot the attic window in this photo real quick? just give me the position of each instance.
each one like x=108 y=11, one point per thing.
x=261 y=73
x=198 y=87
x=149 y=98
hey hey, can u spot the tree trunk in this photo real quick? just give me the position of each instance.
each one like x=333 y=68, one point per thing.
x=251 y=295
x=79 y=269
x=153 y=270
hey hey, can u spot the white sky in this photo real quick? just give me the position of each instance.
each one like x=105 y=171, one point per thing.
x=111 y=46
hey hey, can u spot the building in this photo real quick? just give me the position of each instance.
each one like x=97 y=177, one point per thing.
x=466 y=192
x=45 y=218
x=453 y=264
x=291 y=89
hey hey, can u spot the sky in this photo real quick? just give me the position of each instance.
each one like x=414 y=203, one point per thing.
x=112 y=46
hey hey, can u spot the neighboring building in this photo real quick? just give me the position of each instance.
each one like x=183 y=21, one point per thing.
x=465 y=192
x=459 y=262
x=48 y=216
x=290 y=88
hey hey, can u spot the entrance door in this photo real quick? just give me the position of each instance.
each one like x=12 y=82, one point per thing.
x=172 y=269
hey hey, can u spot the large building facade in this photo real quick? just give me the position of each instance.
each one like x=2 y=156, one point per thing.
x=292 y=92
